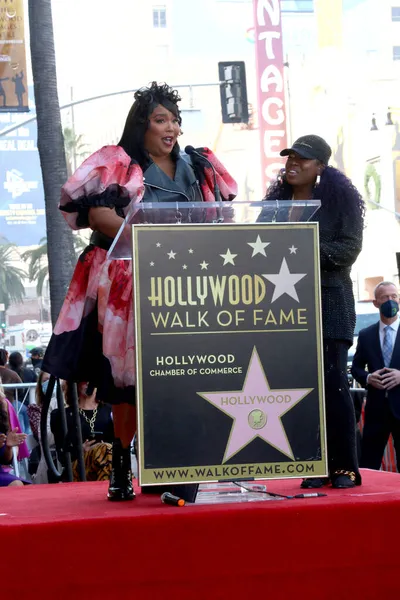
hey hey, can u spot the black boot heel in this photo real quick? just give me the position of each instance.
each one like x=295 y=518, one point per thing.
x=120 y=487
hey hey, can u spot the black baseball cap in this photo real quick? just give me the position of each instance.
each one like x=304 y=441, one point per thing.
x=37 y=352
x=310 y=146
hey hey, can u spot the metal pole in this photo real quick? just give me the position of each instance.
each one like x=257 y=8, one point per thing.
x=76 y=102
x=64 y=432
x=77 y=423
x=286 y=72
x=73 y=132
x=15 y=462
x=43 y=428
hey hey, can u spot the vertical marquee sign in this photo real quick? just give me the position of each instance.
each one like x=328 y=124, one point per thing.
x=270 y=86
x=228 y=347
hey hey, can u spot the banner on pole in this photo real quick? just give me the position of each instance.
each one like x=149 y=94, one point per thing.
x=13 y=83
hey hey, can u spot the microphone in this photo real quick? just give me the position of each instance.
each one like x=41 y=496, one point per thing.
x=168 y=498
x=217 y=194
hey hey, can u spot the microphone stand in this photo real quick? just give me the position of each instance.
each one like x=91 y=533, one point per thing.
x=217 y=193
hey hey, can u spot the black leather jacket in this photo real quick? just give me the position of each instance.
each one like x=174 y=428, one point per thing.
x=161 y=188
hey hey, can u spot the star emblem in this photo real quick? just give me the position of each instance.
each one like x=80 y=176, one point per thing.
x=228 y=257
x=171 y=254
x=152 y=264
x=258 y=246
x=256 y=410
x=158 y=245
x=184 y=267
x=190 y=250
x=284 y=282
x=293 y=250
x=204 y=265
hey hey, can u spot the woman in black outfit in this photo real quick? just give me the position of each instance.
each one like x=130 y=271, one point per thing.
x=97 y=434
x=341 y=215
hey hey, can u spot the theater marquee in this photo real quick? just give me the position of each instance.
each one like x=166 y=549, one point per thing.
x=272 y=117
x=228 y=343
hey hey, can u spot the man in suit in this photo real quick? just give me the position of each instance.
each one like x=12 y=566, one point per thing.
x=376 y=366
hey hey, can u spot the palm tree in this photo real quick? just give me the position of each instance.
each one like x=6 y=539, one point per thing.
x=74 y=149
x=38 y=269
x=61 y=255
x=11 y=286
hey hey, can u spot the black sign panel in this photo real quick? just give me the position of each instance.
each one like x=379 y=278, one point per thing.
x=228 y=342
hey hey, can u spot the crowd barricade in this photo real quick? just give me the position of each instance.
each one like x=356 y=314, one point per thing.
x=54 y=385
x=358 y=394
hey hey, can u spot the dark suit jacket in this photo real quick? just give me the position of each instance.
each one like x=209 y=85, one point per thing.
x=369 y=356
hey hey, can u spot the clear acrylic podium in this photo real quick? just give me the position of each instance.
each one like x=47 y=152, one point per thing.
x=174 y=213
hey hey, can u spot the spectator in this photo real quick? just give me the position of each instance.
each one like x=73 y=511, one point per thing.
x=9 y=438
x=7 y=376
x=38 y=466
x=97 y=433
x=16 y=364
x=34 y=410
x=376 y=366
x=37 y=359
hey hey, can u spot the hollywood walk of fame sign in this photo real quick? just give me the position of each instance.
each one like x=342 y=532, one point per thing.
x=228 y=344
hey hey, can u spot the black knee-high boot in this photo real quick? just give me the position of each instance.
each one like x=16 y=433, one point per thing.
x=120 y=487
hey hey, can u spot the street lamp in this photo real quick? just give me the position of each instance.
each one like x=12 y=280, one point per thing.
x=389 y=117
x=389 y=120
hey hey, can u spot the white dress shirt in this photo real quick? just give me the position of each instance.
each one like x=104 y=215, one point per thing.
x=394 y=326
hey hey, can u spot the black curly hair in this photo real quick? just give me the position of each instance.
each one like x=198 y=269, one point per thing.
x=334 y=190
x=137 y=122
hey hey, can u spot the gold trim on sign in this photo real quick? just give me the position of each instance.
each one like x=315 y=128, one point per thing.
x=147 y=476
x=138 y=346
x=234 y=331
x=319 y=341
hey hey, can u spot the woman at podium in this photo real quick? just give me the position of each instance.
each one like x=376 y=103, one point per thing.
x=306 y=176
x=93 y=339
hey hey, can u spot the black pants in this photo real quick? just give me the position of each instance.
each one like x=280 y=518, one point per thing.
x=340 y=417
x=376 y=433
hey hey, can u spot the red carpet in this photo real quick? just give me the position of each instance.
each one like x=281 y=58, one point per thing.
x=66 y=541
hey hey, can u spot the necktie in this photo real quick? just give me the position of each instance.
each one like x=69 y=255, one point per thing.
x=387 y=347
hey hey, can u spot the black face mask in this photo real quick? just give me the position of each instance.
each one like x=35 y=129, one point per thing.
x=389 y=309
